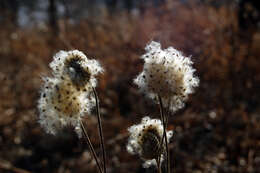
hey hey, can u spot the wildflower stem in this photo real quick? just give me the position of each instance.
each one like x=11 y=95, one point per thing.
x=163 y=118
x=167 y=119
x=158 y=164
x=100 y=130
x=90 y=146
x=168 y=112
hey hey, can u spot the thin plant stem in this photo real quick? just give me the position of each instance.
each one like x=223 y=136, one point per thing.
x=90 y=146
x=159 y=169
x=161 y=142
x=100 y=131
x=164 y=133
x=168 y=113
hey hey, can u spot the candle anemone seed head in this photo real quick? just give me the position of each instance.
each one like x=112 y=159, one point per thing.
x=145 y=139
x=75 y=66
x=167 y=73
x=68 y=96
x=61 y=105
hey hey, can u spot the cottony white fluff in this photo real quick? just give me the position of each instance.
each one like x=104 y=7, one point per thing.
x=140 y=134
x=62 y=68
x=61 y=105
x=167 y=73
x=68 y=96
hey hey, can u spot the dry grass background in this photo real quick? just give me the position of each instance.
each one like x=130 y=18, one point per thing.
x=217 y=131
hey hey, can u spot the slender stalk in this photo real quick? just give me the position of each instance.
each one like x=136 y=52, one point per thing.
x=167 y=119
x=90 y=146
x=168 y=112
x=161 y=142
x=158 y=164
x=164 y=134
x=100 y=130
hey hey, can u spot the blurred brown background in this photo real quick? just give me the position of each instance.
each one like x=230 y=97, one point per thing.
x=217 y=131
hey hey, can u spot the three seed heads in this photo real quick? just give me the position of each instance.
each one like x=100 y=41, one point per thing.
x=67 y=96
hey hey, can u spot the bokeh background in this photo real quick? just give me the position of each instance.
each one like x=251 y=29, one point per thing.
x=217 y=131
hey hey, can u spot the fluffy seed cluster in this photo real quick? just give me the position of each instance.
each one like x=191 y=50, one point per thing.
x=145 y=140
x=67 y=97
x=167 y=73
x=77 y=67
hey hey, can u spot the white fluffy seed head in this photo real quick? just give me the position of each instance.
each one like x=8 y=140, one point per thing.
x=68 y=96
x=145 y=140
x=76 y=66
x=167 y=73
x=61 y=104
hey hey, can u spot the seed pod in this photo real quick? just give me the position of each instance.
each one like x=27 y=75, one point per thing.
x=68 y=96
x=145 y=140
x=168 y=74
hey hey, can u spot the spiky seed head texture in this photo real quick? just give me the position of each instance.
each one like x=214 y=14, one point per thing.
x=145 y=140
x=75 y=65
x=167 y=73
x=67 y=97
x=61 y=104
